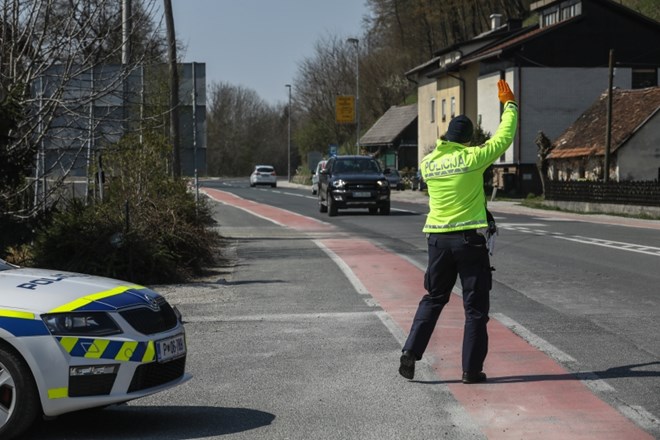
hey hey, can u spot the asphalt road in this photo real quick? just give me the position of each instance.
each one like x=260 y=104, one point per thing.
x=282 y=346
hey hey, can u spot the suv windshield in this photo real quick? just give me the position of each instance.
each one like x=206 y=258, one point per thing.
x=358 y=165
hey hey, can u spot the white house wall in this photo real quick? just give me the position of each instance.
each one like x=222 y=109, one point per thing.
x=639 y=158
x=488 y=105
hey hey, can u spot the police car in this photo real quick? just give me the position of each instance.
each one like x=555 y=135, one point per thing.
x=70 y=341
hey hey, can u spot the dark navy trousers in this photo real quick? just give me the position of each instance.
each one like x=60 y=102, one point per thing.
x=450 y=255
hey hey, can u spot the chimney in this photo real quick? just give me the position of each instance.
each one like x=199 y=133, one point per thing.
x=495 y=21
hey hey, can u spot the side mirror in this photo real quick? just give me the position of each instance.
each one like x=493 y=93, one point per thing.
x=387 y=171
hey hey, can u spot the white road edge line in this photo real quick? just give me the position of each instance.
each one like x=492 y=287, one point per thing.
x=350 y=275
x=589 y=379
x=641 y=416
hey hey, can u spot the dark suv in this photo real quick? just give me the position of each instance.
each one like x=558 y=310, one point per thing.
x=353 y=182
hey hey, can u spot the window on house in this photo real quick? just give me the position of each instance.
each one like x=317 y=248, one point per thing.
x=444 y=110
x=642 y=78
x=565 y=10
x=550 y=16
x=570 y=9
x=453 y=106
x=432 y=109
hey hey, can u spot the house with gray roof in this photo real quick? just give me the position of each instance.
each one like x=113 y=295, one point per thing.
x=393 y=138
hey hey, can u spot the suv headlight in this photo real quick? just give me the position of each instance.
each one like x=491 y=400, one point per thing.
x=80 y=323
x=383 y=183
x=339 y=183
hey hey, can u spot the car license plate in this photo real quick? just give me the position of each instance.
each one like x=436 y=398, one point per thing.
x=170 y=348
x=361 y=194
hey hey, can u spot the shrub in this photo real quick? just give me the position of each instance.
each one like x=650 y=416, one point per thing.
x=148 y=229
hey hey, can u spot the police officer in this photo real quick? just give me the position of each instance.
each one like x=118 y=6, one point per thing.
x=453 y=173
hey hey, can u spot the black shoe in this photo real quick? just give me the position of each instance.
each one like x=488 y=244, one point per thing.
x=474 y=377
x=407 y=367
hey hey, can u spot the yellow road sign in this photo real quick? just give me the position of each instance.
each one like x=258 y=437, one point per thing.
x=345 y=109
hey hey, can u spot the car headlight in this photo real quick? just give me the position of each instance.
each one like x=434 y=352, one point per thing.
x=383 y=183
x=339 y=183
x=80 y=323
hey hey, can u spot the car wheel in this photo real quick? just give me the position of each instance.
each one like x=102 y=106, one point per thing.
x=252 y=185
x=19 y=401
x=274 y=185
x=385 y=208
x=332 y=207
x=314 y=191
x=322 y=207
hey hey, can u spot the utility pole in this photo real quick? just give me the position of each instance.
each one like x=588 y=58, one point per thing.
x=288 y=155
x=356 y=43
x=174 y=89
x=608 y=125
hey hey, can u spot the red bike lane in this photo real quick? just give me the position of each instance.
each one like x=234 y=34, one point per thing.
x=528 y=396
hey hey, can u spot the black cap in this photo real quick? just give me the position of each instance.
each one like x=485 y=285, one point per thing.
x=460 y=130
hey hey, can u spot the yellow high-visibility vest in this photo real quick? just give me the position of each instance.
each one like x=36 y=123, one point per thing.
x=454 y=176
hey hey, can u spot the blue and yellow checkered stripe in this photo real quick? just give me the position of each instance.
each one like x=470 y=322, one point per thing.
x=127 y=351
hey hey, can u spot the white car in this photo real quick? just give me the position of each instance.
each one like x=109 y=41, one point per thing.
x=70 y=341
x=263 y=175
x=315 y=177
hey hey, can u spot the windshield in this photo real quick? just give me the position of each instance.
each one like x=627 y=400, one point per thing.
x=5 y=266
x=356 y=166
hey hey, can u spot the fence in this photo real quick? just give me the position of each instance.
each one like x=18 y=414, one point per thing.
x=623 y=193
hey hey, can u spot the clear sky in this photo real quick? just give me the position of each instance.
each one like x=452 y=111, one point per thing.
x=258 y=44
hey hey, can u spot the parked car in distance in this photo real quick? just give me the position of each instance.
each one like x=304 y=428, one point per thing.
x=263 y=175
x=353 y=182
x=418 y=182
x=394 y=178
x=315 y=177
x=70 y=341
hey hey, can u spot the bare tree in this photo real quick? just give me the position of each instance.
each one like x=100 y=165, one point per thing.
x=243 y=130
x=54 y=62
x=320 y=79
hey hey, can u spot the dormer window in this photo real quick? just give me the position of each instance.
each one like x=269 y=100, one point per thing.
x=449 y=58
x=559 y=12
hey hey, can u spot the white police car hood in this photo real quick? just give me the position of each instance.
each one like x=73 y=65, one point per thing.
x=43 y=290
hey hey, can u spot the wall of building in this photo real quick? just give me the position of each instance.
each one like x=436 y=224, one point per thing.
x=639 y=158
x=470 y=107
x=427 y=128
x=449 y=91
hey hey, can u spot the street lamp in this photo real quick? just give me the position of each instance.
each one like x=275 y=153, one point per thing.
x=356 y=43
x=288 y=154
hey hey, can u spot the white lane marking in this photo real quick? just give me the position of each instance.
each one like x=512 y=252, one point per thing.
x=641 y=416
x=619 y=245
x=352 y=278
x=533 y=339
x=648 y=250
x=589 y=379
x=276 y=317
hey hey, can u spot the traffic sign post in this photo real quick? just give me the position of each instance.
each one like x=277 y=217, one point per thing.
x=345 y=109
